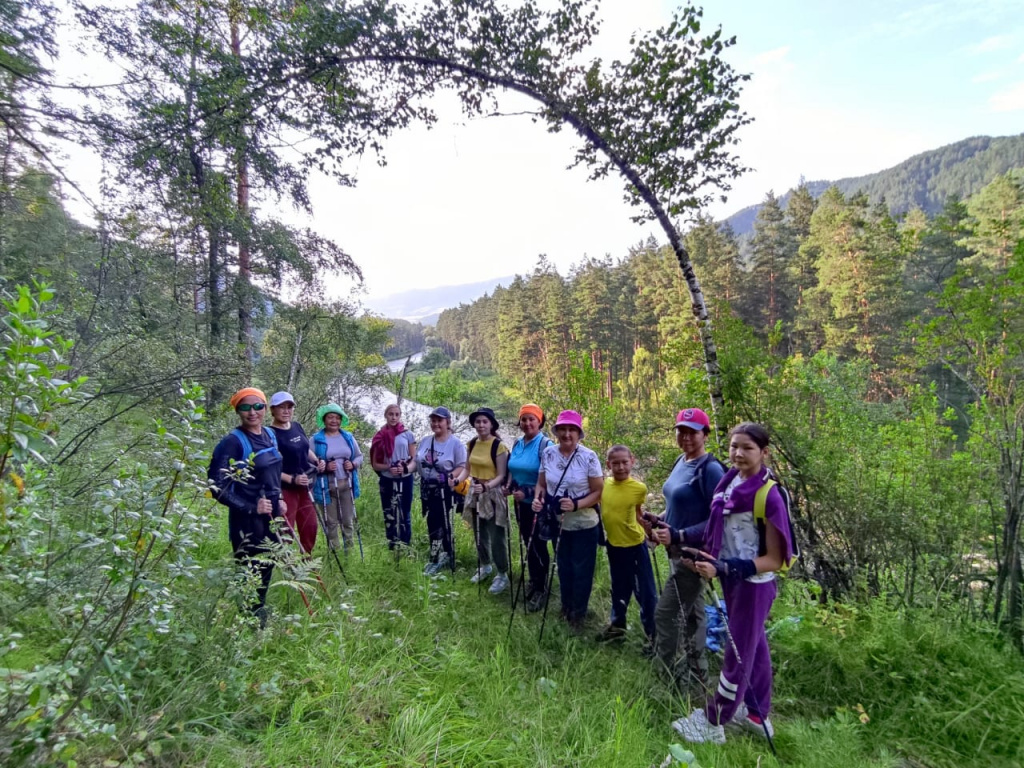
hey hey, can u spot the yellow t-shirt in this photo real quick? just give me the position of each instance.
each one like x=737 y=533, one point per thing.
x=480 y=465
x=619 y=501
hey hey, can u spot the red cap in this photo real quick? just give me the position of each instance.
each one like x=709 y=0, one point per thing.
x=694 y=418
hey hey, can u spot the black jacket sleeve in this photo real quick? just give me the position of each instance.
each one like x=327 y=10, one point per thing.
x=223 y=484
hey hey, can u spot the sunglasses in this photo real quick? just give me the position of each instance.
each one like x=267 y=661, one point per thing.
x=246 y=407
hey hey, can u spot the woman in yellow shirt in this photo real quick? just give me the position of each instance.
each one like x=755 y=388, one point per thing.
x=487 y=507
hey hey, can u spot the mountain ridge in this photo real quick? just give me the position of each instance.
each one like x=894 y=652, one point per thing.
x=925 y=180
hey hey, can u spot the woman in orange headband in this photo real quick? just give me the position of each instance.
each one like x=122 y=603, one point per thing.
x=245 y=476
x=523 y=466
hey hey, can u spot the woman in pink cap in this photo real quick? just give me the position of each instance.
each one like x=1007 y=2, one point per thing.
x=573 y=479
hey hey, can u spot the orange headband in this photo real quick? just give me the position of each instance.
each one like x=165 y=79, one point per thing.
x=247 y=392
x=531 y=410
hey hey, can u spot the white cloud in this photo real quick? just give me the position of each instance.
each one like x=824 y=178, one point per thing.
x=1009 y=99
x=771 y=57
x=986 y=77
x=990 y=44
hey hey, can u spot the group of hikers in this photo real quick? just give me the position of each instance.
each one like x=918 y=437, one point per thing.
x=726 y=525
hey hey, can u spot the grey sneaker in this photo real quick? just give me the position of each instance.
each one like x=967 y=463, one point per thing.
x=697 y=730
x=751 y=723
x=499 y=585
x=481 y=573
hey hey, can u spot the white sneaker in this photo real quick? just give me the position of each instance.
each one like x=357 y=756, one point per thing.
x=481 y=573
x=743 y=719
x=442 y=562
x=697 y=730
x=499 y=585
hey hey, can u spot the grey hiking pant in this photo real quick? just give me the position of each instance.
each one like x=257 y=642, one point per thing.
x=340 y=513
x=680 y=621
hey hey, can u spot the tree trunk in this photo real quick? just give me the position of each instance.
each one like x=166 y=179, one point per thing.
x=242 y=200
x=296 y=367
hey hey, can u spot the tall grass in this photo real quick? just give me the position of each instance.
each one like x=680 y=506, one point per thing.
x=396 y=669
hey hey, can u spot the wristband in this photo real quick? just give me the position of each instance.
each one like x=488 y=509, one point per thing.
x=737 y=568
x=674 y=536
x=575 y=505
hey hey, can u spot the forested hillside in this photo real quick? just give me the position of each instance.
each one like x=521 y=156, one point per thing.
x=926 y=181
x=882 y=351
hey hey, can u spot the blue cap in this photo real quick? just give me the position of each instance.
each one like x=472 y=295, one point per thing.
x=442 y=412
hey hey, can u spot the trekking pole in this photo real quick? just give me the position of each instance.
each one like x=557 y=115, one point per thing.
x=359 y=536
x=508 y=543
x=657 y=570
x=522 y=574
x=550 y=583
x=321 y=517
x=476 y=535
x=396 y=515
x=744 y=671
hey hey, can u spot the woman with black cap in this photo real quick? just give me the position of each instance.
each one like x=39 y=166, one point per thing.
x=437 y=459
x=245 y=476
x=487 y=508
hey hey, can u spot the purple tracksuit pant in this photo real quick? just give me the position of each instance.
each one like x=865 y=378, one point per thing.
x=749 y=682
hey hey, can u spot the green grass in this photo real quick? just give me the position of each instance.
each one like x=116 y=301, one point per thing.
x=395 y=669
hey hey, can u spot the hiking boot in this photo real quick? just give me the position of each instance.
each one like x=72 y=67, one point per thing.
x=752 y=723
x=610 y=634
x=499 y=585
x=481 y=573
x=535 y=602
x=697 y=730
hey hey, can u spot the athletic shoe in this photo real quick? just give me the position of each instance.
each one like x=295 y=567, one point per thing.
x=697 y=730
x=430 y=569
x=649 y=650
x=499 y=585
x=610 y=634
x=481 y=573
x=442 y=562
x=748 y=722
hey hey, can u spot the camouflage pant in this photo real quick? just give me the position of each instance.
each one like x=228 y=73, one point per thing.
x=682 y=625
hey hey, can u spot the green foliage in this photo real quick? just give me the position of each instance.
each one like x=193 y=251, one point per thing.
x=31 y=363
x=942 y=694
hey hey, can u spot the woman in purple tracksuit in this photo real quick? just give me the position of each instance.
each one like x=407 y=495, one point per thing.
x=746 y=558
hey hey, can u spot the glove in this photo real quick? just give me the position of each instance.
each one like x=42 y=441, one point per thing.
x=736 y=568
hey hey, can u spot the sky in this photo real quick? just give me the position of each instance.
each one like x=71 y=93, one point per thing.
x=837 y=89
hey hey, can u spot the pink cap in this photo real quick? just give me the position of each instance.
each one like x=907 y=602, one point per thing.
x=694 y=418
x=570 y=419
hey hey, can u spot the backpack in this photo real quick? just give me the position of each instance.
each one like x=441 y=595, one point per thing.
x=760 y=500
x=247 y=452
x=698 y=477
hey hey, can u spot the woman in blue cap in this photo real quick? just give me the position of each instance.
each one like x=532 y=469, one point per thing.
x=338 y=487
x=438 y=458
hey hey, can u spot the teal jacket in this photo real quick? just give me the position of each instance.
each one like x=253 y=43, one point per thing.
x=320 y=449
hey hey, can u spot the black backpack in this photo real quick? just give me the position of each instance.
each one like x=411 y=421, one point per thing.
x=700 y=475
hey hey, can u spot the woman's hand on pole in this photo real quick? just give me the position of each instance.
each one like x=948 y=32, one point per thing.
x=321 y=466
x=332 y=466
x=301 y=479
x=264 y=507
x=538 y=504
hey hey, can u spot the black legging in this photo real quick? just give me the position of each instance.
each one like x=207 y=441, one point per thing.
x=437 y=503
x=538 y=558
